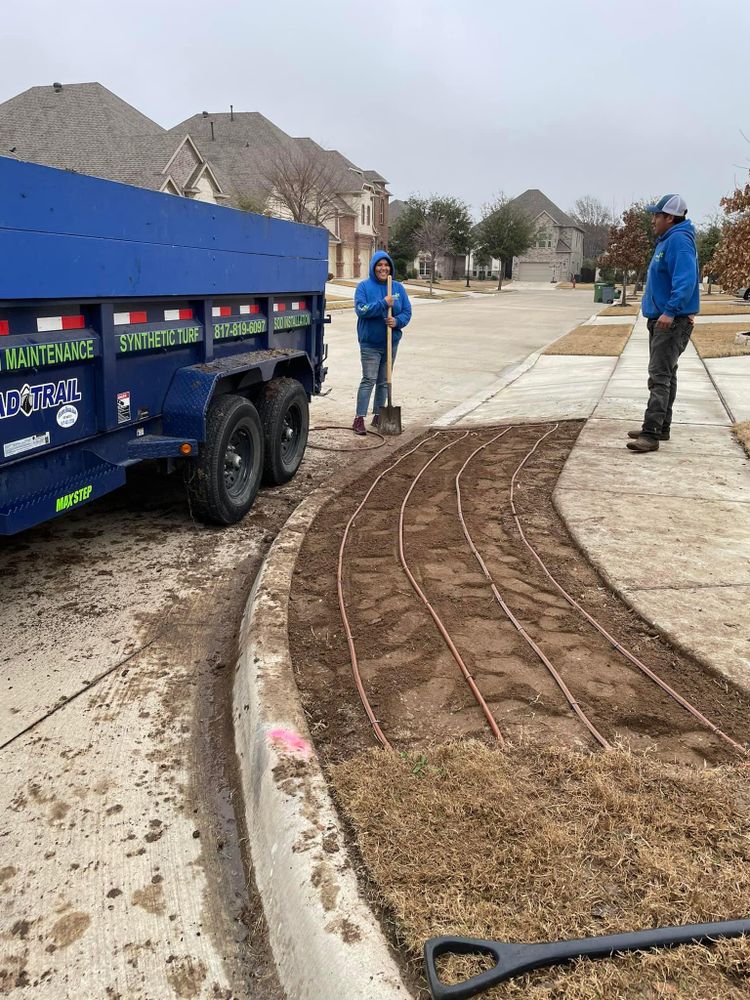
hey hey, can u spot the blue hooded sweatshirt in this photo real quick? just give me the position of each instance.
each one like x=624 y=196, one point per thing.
x=672 y=282
x=372 y=310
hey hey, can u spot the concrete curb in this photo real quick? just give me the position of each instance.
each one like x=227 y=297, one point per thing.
x=325 y=939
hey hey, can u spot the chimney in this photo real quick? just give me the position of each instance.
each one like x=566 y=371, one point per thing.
x=213 y=137
x=231 y=112
x=57 y=87
x=205 y=114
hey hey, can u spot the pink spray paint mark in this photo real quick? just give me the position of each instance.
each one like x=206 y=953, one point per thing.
x=290 y=741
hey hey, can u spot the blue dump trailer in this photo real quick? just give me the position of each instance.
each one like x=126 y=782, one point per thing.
x=137 y=325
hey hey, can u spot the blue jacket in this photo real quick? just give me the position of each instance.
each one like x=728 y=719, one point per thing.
x=672 y=282
x=372 y=310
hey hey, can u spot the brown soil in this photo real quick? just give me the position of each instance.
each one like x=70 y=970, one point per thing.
x=412 y=681
x=547 y=837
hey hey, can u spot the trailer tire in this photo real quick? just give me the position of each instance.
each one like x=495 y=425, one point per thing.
x=224 y=480
x=285 y=417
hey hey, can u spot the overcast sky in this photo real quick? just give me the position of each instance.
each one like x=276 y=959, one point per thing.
x=622 y=99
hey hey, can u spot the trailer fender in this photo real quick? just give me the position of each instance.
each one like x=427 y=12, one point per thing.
x=193 y=387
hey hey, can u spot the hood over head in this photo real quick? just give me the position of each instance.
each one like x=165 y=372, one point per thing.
x=380 y=255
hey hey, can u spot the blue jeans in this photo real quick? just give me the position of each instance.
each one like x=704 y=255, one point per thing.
x=373 y=374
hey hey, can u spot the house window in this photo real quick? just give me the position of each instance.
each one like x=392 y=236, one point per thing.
x=544 y=238
x=382 y=211
x=424 y=267
x=363 y=214
x=368 y=215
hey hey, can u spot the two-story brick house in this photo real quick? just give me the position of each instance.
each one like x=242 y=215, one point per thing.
x=221 y=158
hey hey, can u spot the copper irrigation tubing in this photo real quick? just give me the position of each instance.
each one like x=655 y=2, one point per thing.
x=342 y=604
x=509 y=614
x=600 y=628
x=435 y=617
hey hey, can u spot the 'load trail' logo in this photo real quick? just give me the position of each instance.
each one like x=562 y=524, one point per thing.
x=31 y=398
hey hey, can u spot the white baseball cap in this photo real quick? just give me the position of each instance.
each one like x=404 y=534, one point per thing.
x=670 y=204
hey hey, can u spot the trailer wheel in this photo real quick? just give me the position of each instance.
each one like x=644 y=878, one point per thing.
x=223 y=481
x=285 y=416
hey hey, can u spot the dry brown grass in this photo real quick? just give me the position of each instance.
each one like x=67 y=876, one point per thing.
x=526 y=844
x=603 y=341
x=631 y=309
x=724 y=308
x=742 y=433
x=716 y=340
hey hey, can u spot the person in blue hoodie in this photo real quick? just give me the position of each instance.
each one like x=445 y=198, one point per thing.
x=371 y=302
x=670 y=302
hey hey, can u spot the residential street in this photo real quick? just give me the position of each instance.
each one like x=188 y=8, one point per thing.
x=122 y=865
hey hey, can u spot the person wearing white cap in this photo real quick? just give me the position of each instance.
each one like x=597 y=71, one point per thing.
x=670 y=302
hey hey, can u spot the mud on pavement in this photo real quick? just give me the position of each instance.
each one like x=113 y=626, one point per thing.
x=123 y=871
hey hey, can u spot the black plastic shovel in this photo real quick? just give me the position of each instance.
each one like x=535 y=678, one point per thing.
x=515 y=959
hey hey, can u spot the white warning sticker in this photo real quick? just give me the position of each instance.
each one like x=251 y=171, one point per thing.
x=25 y=444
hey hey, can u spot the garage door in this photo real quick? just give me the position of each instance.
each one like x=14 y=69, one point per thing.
x=533 y=272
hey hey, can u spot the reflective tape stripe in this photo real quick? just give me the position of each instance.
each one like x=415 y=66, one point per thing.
x=4 y=328
x=221 y=310
x=252 y=310
x=178 y=314
x=298 y=305
x=130 y=317
x=279 y=307
x=46 y=323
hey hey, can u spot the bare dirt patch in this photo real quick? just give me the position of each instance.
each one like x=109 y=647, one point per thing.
x=716 y=340
x=546 y=836
x=593 y=339
x=411 y=679
x=538 y=844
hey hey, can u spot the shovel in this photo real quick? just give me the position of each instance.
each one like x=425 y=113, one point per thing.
x=515 y=959
x=390 y=415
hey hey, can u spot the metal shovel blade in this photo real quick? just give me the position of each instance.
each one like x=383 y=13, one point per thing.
x=515 y=959
x=390 y=419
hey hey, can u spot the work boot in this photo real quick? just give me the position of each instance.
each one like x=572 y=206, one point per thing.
x=664 y=436
x=643 y=443
x=359 y=426
x=375 y=420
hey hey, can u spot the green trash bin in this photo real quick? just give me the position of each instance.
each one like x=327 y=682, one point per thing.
x=598 y=285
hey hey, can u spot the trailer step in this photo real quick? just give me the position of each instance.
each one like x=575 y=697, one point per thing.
x=60 y=497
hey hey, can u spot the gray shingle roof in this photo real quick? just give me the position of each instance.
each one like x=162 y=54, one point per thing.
x=69 y=127
x=86 y=128
x=533 y=203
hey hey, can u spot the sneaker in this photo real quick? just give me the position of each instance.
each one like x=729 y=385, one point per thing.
x=375 y=422
x=359 y=426
x=643 y=443
x=664 y=436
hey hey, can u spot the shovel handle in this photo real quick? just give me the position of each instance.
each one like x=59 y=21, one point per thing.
x=516 y=959
x=388 y=357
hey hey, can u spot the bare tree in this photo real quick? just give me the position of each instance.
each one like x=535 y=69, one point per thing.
x=432 y=237
x=595 y=219
x=304 y=182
